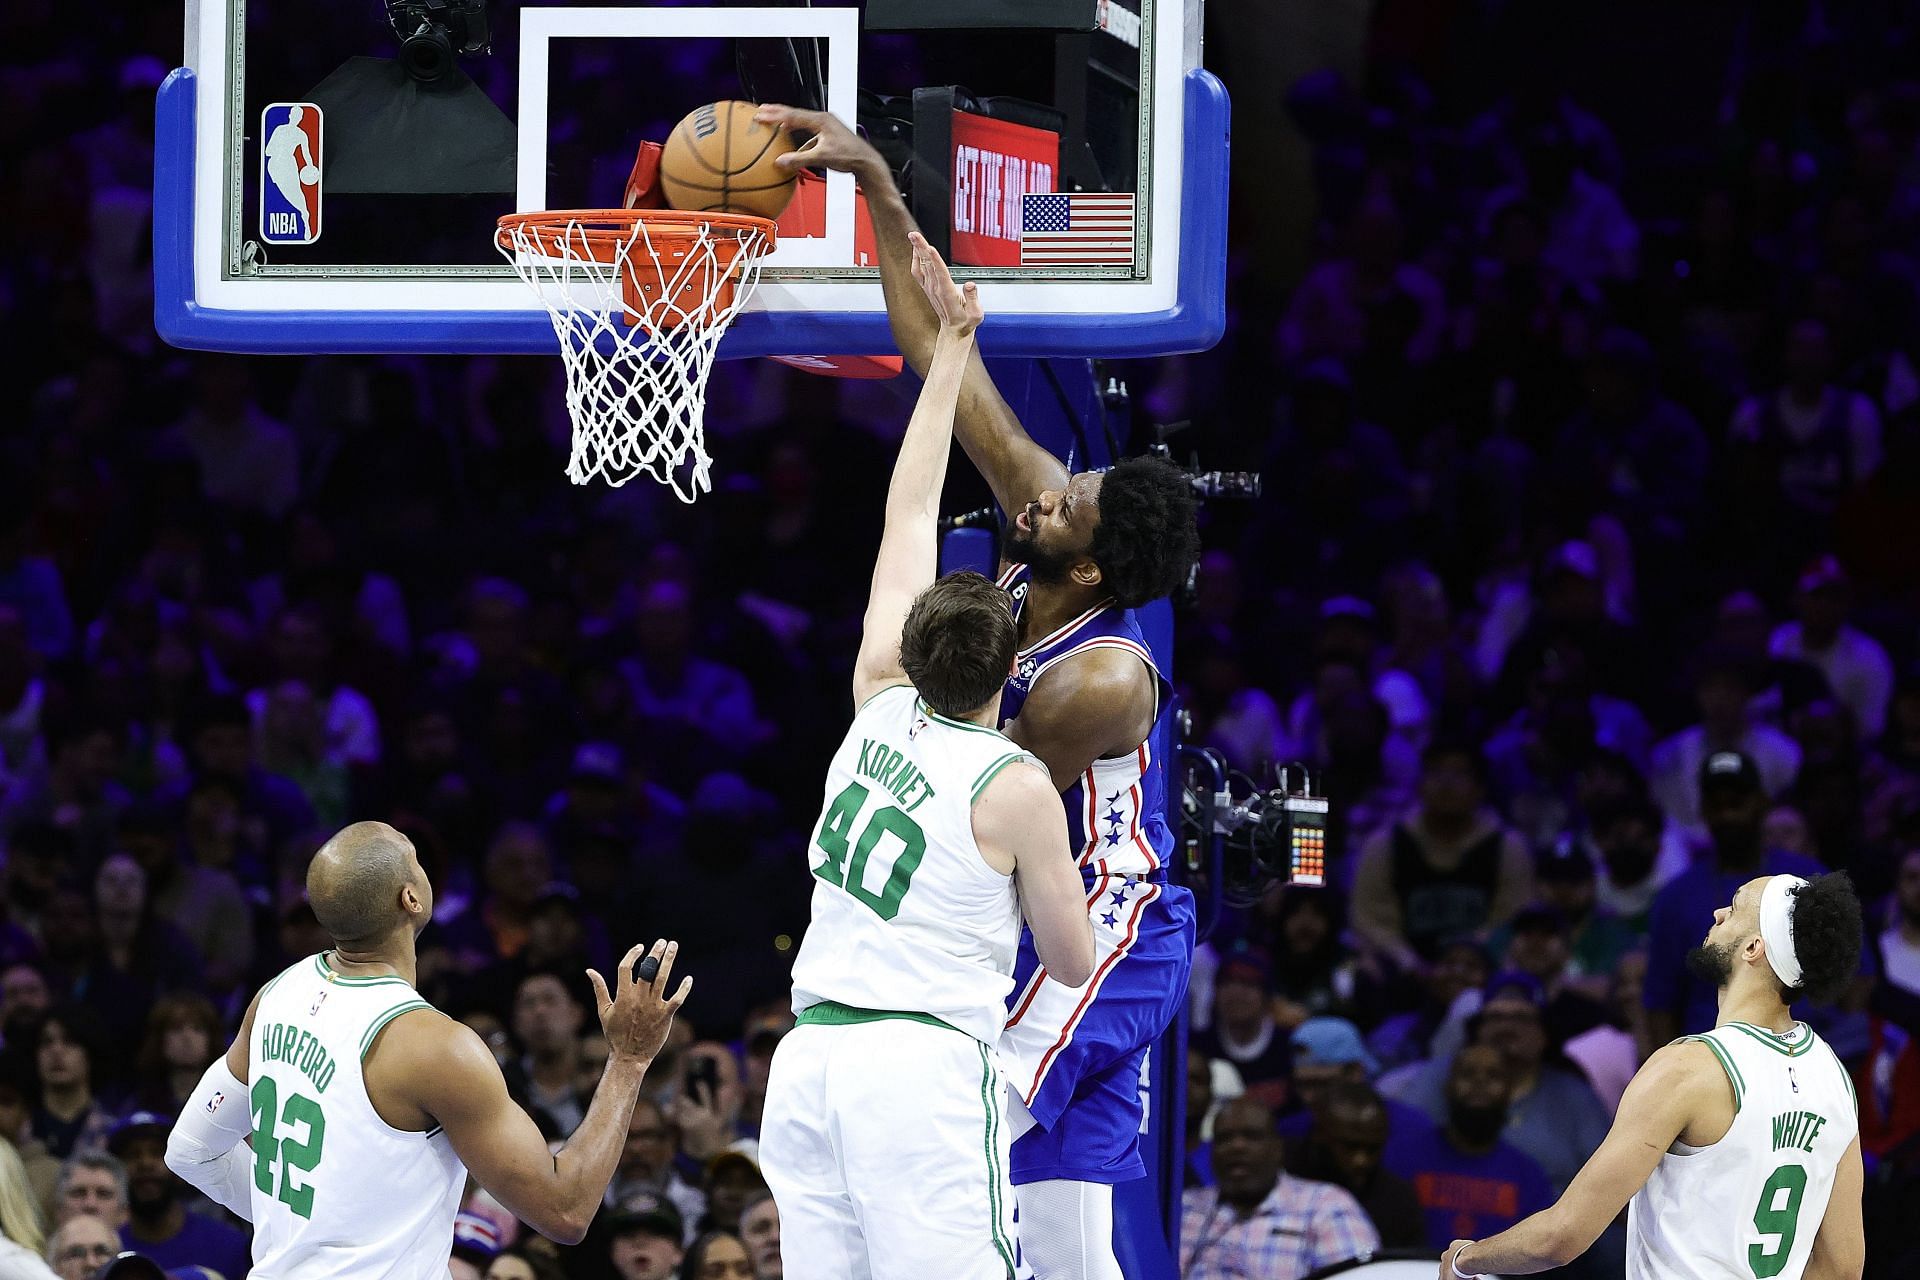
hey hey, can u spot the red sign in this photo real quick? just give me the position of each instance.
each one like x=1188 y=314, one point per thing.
x=996 y=164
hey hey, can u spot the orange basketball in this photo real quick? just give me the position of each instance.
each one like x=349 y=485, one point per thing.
x=720 y=160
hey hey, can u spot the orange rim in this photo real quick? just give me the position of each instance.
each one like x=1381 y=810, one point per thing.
x=604 y=228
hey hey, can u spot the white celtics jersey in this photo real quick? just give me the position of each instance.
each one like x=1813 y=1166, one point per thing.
x=907 y=915
x=337 y=1191
x=1749 y=1206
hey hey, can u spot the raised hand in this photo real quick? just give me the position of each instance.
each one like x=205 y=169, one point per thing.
x=635 y=1016
x=957 y=305
x=833 y=145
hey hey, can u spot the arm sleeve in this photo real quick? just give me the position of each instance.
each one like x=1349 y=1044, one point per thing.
x=205 y=1147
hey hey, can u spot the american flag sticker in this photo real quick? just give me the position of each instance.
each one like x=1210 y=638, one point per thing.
x=1077 y=229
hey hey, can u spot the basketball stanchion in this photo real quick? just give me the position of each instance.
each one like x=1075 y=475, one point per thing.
x=639 y=299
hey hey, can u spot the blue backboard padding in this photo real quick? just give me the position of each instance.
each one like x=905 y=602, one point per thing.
x=1195 y=323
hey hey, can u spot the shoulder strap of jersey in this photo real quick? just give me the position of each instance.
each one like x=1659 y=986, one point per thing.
x=1727 y=1064
x=1108 y=642
x=993 y=770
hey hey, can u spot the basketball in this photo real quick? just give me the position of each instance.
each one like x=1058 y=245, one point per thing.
x=309 y=175
x=719 y=160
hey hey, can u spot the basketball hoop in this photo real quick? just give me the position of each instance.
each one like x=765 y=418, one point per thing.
x=639 y=299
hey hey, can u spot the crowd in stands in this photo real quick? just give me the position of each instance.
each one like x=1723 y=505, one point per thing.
x=1583 y=575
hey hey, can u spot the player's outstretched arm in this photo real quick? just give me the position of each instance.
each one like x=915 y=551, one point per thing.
x=1016 y=469
x=910 y=544
x=1676 y=1084
x=205 y=1145
x=1018 y=817
x=1840 y=1250
x=446 y=1070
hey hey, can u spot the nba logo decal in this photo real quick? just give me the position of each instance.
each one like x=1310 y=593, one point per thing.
x=290 y=160
x=317 y=1002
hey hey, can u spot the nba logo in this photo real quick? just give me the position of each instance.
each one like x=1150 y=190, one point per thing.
x=290 y=161
x=317 y=1002
x=213 y=1103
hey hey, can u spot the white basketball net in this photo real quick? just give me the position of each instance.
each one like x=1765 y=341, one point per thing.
x=637 y=391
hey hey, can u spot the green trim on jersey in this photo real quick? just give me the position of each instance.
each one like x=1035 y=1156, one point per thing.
x=987 y=1094
x=1841 y=1067
x=992 y=771
x=888 y=688
x=831 y=1013
x=1734 y=1077
x=1774 y=1041
x=327 y=972
x=951 y=723
x=379 y=1023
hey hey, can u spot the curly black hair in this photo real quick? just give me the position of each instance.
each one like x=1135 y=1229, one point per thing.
x=1827 y=936
x=1146 y=540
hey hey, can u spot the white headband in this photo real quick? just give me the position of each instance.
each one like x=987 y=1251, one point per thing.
x=1776 y=927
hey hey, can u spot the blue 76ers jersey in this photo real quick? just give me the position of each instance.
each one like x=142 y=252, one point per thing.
x=1117 y=811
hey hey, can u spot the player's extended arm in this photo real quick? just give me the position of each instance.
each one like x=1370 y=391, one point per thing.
x=206 y=1146
x=1016 y=469
x=1018 y=815
x=449 y=1073
x=910 y=544
x=1675 y=1085
x=1097 y=704
x=1840 y=1250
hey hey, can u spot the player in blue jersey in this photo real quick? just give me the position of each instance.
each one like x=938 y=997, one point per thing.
x=1081 y=552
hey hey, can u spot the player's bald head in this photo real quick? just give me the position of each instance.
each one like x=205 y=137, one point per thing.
x=355 y=881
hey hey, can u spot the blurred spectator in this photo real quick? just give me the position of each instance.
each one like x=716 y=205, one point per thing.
x=704 y=706
x=707 y=1111
x=522 y=1263
x=68 y=1118
x=1896 y=996
x=760 y=1232
x=1448 y=870
x=1461 y=968
x=1314 y=973
x=1856 y=667
x=1471 y=1183
x=158 y=1224
x=1552 y=1112
x=1346 y=1146
x=183 y=1037
x=647 y=1171
x=717 y=1255
x=1199 y=1141
x=646 y=1244
x=203 y=903
x=21 y=1237
x=302 y=648
x=1370 y=301
x=1260 y=1222
x=135 y=957
x=80 y=1248
x=1724 y=691
x=1243 y=1030
x=1733 y=805
x=731 y=1180
x=1612 y=1051
x=91 y=1186
x=476 y=1243
x=1595 y=937
x=16 y=1120
x=518 y=867
x=547 y=1018
x=1636 y=859
x=220 y=742
x=245 y=459
x=1811 y=441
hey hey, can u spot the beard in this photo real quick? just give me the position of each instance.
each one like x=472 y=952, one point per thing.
x=1711 y=963
x=1478 y=1125
x=1024 y=548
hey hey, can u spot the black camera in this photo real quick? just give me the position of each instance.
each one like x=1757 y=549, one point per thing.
x=433 y=33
